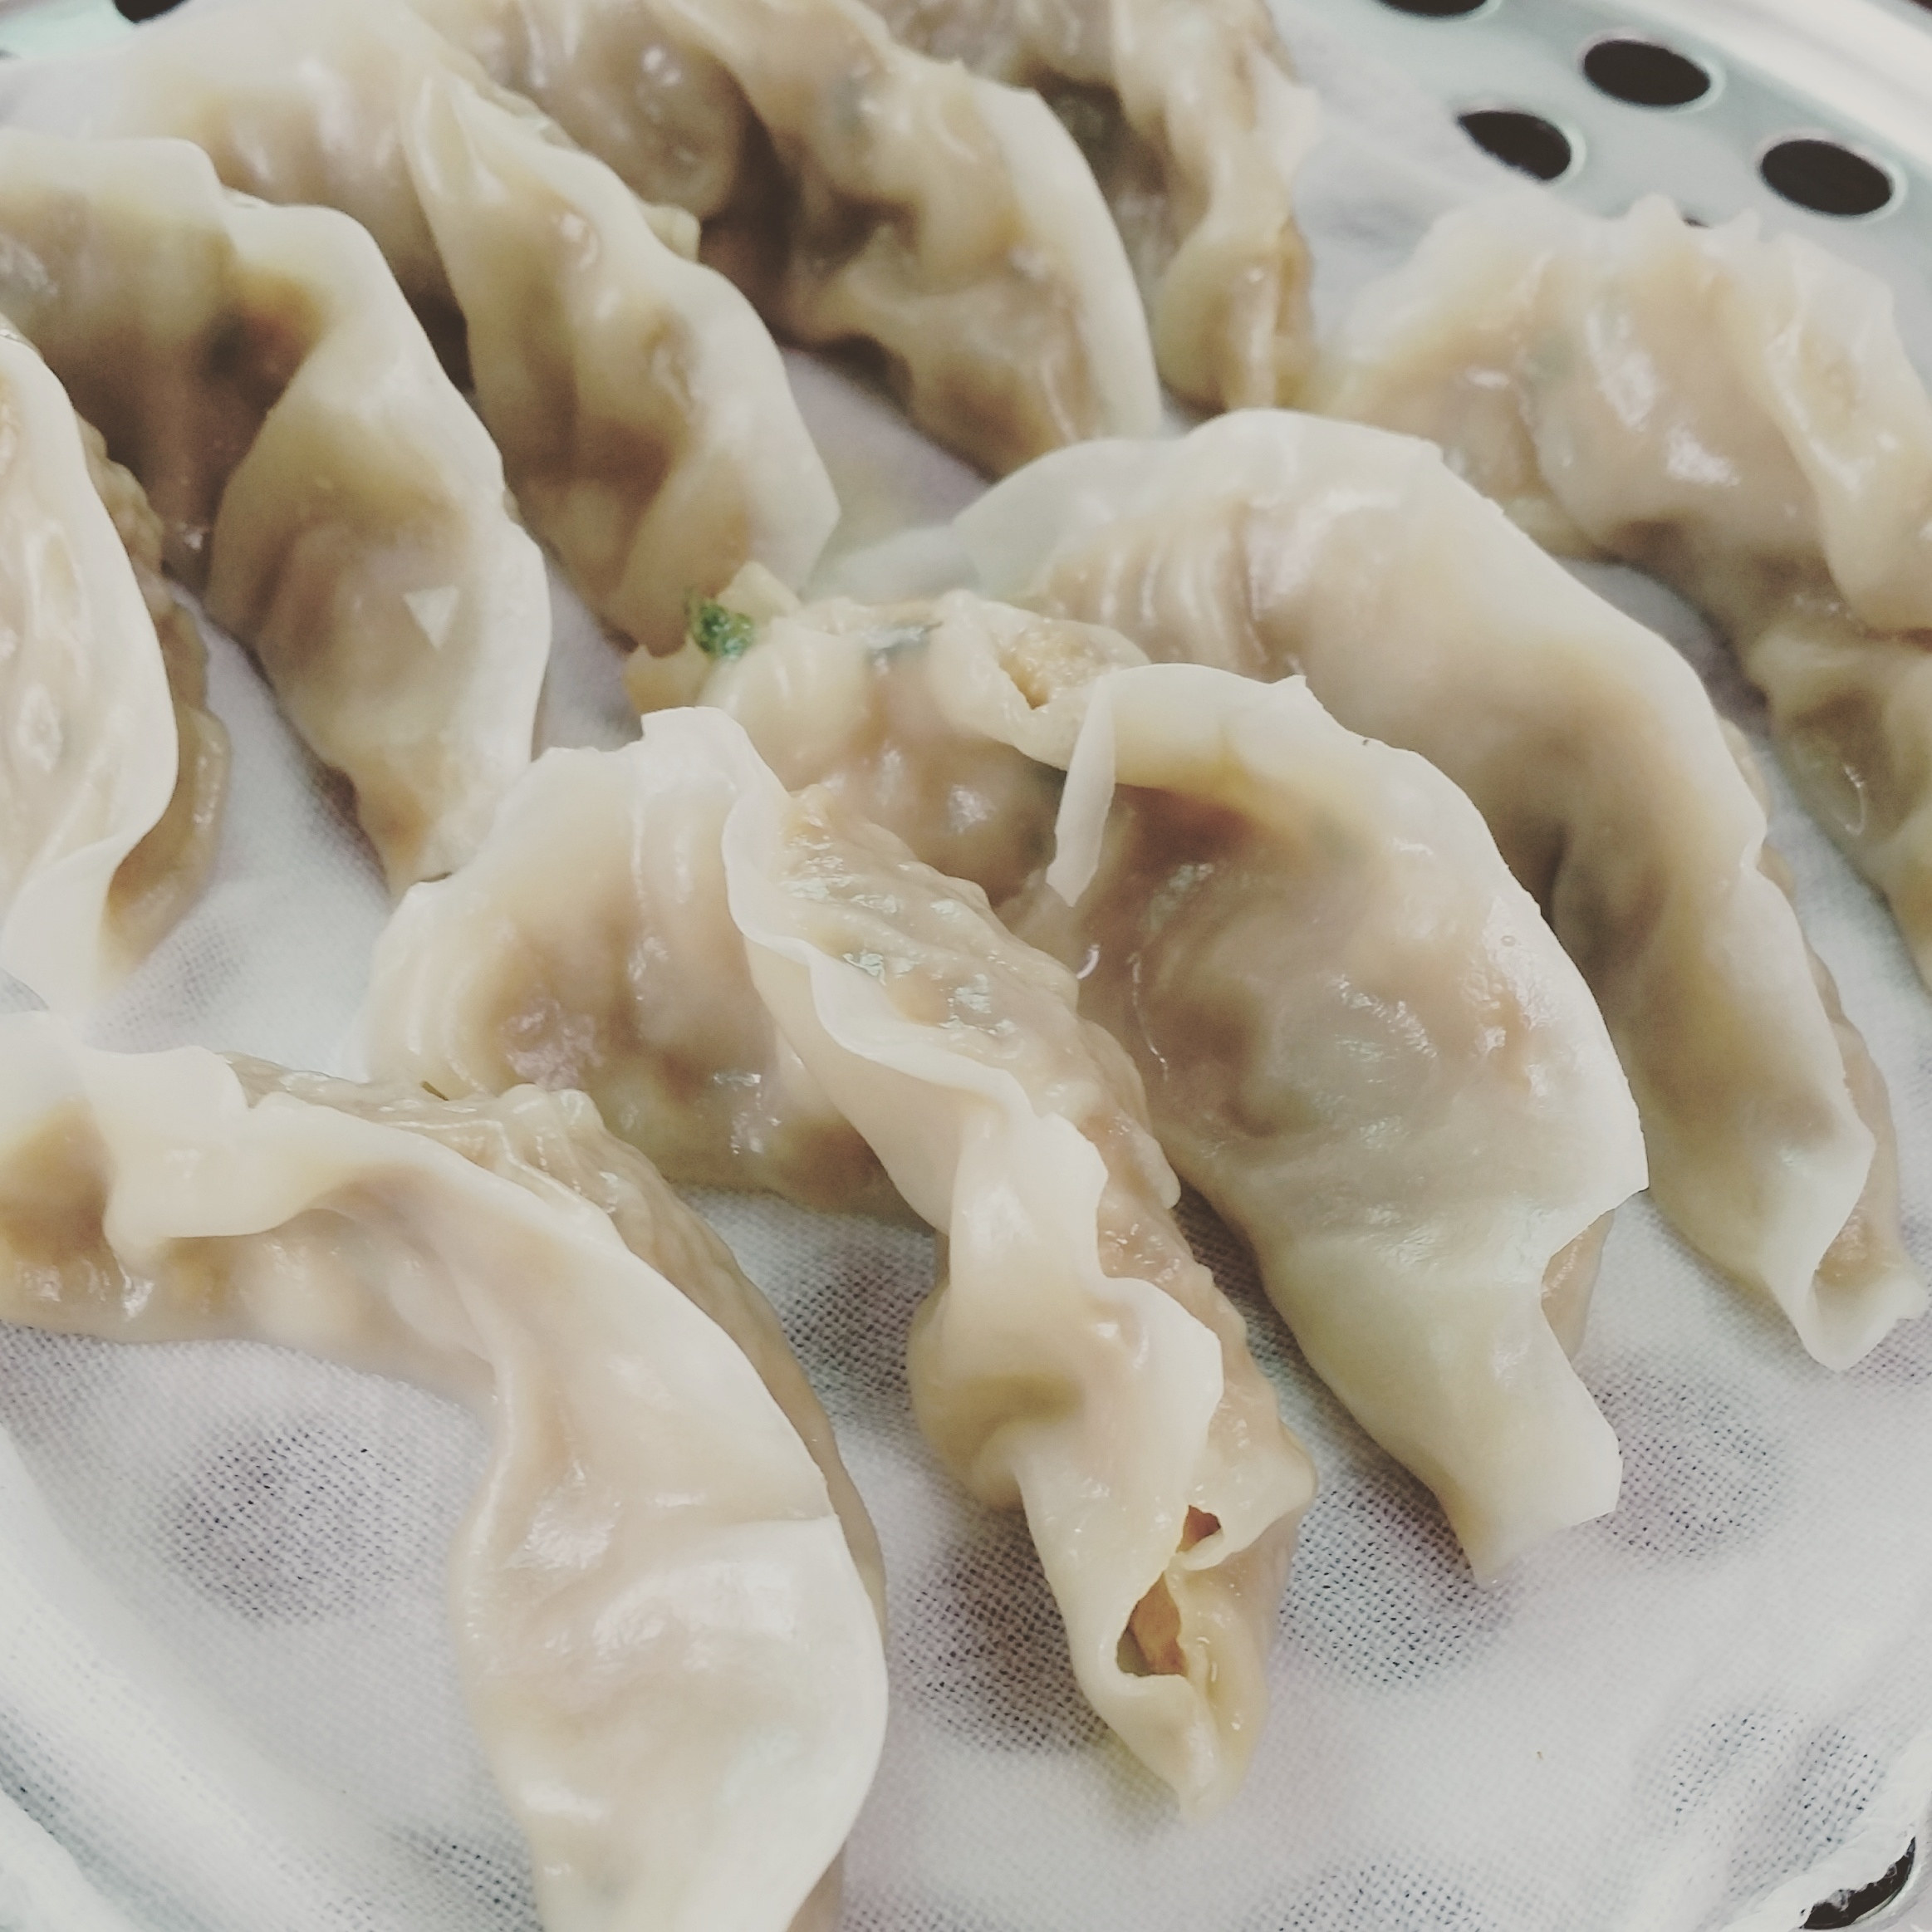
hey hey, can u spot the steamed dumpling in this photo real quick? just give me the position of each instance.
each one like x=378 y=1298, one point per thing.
x=587 y=944
x=859 y=193
x=653 y=1444
x=1363 y=1044
x=113 y=772
x=1360 y=1041
x=1189 y=113
x=317 y=477
x=1274 y=544
x=1076 y=1359
x=642 y=412
x=1731 y=411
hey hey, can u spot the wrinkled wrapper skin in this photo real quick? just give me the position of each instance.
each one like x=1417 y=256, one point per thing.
x=645 y=421
x=949 y=721
x=112 y=771
x=652 y=1441
x=1361 y=1042
x=589 y=946
x=1075 y=1358
x=859 y=193
x=1273 y=544
x=1732 y=412
x=317 y=477
x=1325 y=975
x=1189 y=113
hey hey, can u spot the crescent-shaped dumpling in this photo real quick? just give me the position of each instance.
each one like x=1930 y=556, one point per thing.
x=859 y=194
x=663 y=1599
x=1274 y=544
x=1359 y=1039
x=317 y=477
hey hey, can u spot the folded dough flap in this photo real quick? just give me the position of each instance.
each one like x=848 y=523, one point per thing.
x=317 y=474
x=1074 y=1358
x=1365 y=1048
x=672 y=1657
x=589 y=945
x=94 y=751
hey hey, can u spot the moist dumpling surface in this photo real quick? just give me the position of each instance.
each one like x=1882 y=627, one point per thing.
x=1274 y=544
x=112 y=770
x=945 y=227
x=318 y=479
x=696 y=1766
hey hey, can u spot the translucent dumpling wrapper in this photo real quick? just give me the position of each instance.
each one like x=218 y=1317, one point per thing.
x=1075 y=1358
x=645 y=421
x=859 y=194
x=948 y=720
x=1188 y=112
x=1363 y=1044
x=1273 y=544
x=664 y=1598
x=588 y=945
x=1359 y=1039
x=112 y=770
x=1731 y=411
x=318 y=479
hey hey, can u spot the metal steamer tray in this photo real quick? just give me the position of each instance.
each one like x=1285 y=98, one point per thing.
x=1818 y=113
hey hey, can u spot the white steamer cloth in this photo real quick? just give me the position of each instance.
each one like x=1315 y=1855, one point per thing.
x=227 y=1701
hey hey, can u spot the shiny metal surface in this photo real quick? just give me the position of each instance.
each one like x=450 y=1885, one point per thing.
x=1857 y=72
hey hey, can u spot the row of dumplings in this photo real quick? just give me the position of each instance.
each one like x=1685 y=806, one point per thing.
x=1735 y=413
x=1263 y=802
x=608 y=304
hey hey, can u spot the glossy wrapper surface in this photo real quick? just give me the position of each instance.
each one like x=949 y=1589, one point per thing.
x=1271 y=544
x=862 y=194
x=669 y=1647
x=641 y=407
x=318 y=479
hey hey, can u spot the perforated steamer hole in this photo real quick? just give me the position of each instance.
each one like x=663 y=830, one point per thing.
x=1521 y=140
x=1645 y=73
x=140 y=10
x=1853 y=1906
x=1816 y=172
x=1447 y=9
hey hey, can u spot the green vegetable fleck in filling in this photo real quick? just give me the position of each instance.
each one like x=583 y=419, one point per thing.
x=720 y=634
